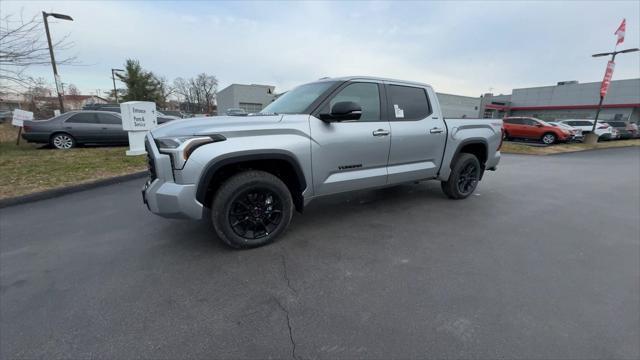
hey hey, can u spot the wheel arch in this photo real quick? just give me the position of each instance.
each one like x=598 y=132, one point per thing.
x=478 y=147
x=282 y=165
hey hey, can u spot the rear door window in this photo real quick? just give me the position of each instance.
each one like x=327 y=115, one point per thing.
x=109 y=119
x=408 y=103
x=83 y=118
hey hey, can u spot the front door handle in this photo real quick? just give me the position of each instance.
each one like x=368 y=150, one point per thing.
x=381 y=132
x=436 y=130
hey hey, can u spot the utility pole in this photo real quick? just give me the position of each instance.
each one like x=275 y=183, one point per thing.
x=56 y=77
x=113 y=77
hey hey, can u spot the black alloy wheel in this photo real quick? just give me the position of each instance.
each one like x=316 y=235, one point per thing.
x=255 y=213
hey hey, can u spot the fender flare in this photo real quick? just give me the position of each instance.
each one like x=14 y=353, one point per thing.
x=214 y=165
x=472 y=141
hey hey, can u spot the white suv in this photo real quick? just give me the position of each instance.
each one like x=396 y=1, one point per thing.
x=603 y=130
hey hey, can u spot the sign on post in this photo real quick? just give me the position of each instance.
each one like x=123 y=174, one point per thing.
x=608 y=74
x=138 y=117
x=19 y=116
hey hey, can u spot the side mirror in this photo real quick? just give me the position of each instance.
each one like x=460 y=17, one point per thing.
x=343 y=111
x=538 y=125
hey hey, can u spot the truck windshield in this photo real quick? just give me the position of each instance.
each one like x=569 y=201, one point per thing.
x=297 y=100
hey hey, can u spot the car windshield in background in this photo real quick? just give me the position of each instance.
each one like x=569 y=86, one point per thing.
x=297 y=100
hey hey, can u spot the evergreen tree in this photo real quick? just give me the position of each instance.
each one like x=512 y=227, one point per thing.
x=141 y=85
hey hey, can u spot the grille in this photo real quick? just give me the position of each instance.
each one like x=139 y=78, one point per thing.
x=151 y=165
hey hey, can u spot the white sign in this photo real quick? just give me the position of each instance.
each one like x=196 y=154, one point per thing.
x=19 y=116
x=138 y=117
x=399 y=111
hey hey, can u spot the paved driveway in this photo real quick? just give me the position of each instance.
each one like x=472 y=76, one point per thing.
x=543 y=262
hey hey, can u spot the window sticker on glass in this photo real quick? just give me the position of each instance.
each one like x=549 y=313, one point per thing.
x=399 y=111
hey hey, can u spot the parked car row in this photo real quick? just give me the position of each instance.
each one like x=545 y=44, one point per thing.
x=101 y=125
x=530 y=128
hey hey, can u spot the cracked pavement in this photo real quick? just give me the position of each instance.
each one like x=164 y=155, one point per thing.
x=519 y=270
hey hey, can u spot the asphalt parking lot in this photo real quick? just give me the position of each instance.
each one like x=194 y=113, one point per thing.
x=543 y=262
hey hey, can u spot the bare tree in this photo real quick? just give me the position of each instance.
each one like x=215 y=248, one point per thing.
x=165 y=90
x=23 y=44
x=198 y=93
x=37 y=96
x=73 y=90
x=208 y=86
x=185 y=92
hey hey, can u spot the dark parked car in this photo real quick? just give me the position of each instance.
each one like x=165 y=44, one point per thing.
x=175 y=113
x=236 y=112
x=77 y=127
x=623 y=131
x=162 y=118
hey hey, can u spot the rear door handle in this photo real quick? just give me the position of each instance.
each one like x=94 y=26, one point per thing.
x=105 y=128
x=381 y=132
x=67 y=127
x=436 y=130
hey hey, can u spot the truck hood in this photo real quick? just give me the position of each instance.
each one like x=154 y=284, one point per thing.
x=214 y=125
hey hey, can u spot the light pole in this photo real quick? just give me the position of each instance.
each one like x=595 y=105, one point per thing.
x=592 y=136
x=45 y=15
x=113 y=77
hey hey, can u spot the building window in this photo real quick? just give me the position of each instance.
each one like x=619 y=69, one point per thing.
x=250 y=107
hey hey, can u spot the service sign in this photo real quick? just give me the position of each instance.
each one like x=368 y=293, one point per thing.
x=138 y=115
x=19 y=116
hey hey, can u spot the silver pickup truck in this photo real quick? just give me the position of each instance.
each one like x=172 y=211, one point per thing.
x=248 y=174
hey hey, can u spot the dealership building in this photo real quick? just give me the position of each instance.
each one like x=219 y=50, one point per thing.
x=568 y=100
x=251 y=98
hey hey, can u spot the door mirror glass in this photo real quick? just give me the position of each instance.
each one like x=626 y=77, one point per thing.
x=343 y=111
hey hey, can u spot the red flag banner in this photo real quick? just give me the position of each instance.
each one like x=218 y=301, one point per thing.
x=620 y=32
x=608 y=74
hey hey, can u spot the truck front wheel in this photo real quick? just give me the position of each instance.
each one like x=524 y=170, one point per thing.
x=251 y=209
x=464 y=177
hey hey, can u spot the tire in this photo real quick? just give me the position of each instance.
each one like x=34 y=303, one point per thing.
x=548 y=138
x=63 y=141
x=462 y=183
x=251 y=209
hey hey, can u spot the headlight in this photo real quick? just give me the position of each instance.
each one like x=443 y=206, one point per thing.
x=181 y=147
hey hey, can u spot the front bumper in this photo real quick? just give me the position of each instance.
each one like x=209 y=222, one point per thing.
x=162 y=195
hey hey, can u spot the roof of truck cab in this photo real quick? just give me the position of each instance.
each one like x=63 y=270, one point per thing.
x=373 y=78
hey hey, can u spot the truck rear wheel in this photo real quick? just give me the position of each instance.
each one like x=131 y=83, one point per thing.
x=464 y=177
x=251 y=209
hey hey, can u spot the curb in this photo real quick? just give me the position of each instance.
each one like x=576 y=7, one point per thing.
x=573 y=151
x=595 y=149
x=48 y=194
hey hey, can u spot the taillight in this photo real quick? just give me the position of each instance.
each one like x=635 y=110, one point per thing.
x=602 y=126
x=26 y=128
x=501 y=139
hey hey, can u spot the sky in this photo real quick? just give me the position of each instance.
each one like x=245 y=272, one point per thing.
x=465 y=48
